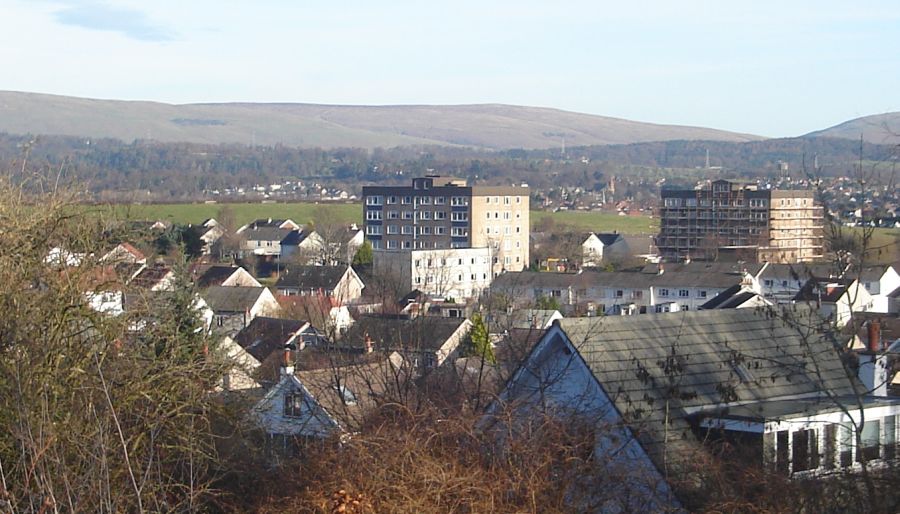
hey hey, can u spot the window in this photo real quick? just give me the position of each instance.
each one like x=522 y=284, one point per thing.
x=425 y=231
x=672 y=202
x=440 y=231
x=890 y=437
x=407 y=200
x=373 y=200
x=392 y=229
x=871 y=441
x=459 y=232
x=392 y=245
x=701 y=294
x=663 y=292
x=373 y=230
x=293 y=405
x=425 y=200
x=846 y=446
x=684 y=293
x=393 y=215
x=391 y=200
x=636 y=294
x=406 y=230
x=506 y=200
x=376 y=245
x=374 y=215
x=407 y=215
x=440 y=215
x=440 y=200
x=425 y=215
x=459 y=201
x=620 y=293
x=459 y=216
x=406 y=245
x=506 y=215
x=768 y=282
x=487 y=214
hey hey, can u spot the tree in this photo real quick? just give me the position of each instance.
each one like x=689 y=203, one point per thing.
x=364 y=255
x=480 y=341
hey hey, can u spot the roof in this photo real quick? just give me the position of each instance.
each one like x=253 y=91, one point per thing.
x=267 y=234
x=800 y=271
x=828 y=290
x=700 y=361
x=214 y=275
x=869 y=273
x=311 y=277
x=294 y=238
x=609 y=239
x=395 y=333
x=732 y=268
x=232 y=298
x=523 y=319
x=731 y=298
x=263 y=335
x=529 y=279
x=347 y=393
x=151 y=275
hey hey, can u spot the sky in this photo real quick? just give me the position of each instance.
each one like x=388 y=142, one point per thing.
x=772 y=68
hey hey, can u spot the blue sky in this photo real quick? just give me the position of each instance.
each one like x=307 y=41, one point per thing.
x=759 y=67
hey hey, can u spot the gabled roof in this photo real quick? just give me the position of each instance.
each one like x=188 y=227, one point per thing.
x=425 y=333
x=151 y=276
x=700 y=362
x=294 y=238
x=263 y=335
x=731 y=298
x=609 y=239
x=311 y=277
x=214 y=276
x=232 y=298
x=531 y=279
x=800 y=271
x=829 y=291
x=273 y=234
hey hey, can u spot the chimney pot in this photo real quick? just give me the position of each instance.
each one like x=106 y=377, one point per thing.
x=874 y=330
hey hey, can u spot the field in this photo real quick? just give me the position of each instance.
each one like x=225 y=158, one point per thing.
x=347 y=213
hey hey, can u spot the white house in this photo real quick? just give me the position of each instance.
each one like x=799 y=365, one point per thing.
x=457 y=273
x=880 y=282
x=234 y=307
x=601 y=247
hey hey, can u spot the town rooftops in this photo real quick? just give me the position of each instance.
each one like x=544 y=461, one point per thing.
x=400 y=333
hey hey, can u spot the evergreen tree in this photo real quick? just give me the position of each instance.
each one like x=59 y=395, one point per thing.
x=480 y=341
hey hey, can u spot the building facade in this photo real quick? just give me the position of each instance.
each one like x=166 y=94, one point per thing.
x=443 y=212
x=730 y=218
x=457 y=273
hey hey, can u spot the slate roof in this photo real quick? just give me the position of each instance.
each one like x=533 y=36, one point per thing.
x=214 y=276
x=232 y=298
x=731 y=298
x=530 y=279
x=267 y=234
x=801 y=271
x=294 y=238
x=424 y=333
x=263 y=335
x=311 y=277
x=869 y=273
x=151 y=275
x=609 y=239
x=829 y=291
x=699 y=361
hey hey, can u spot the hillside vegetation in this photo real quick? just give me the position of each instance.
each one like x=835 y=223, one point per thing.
x=881 y=129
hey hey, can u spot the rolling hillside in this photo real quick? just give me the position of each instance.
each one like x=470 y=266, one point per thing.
x=329 y=126
x=878 y=129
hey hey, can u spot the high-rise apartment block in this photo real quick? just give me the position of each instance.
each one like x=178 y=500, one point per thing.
x=740 y=219
x=444 y=212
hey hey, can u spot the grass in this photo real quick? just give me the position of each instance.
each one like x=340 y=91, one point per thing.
x=302 y=212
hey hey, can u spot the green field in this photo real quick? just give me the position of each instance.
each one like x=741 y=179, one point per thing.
x=347 y=213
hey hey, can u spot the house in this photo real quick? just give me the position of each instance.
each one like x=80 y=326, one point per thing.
x=338 y=282
x=880 y=282
x=219 y=275
x=271 y=242
x=234 y=307
x=284 y=224
x=836 y=299
x=210 y=234
x=600 y=247
x=124 y=253
x=456 y=273
x=329 y=401
x=256 y=350
x=326 y=314
x=781 y=282
x=738 y=296
x=156 y=277
x=424 y=342
x=658 y=388
x=522 y=319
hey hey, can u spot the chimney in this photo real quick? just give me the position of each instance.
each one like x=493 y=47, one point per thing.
x=661 y=269
x=370 y=345
x=687 y=259
x=874 y=330
x=287 y=366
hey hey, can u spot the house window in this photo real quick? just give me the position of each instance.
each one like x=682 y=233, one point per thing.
x=425 y=230
x=392 y=245
x=393 y=215
x=425 y=200
x=684 y=293
x=663 y=292
x=846 y=446
x=406 y=230
x=701 y=294
x=459 y=232
x=440 y=215
x=374 y=215
x=620 y=293
x=407 y=215
x=871 y=441
x=804 y=451
x=392 y=229
x=890 y=437
x=459 y=201
x=373 y=230
x=439 y=231
x=768 y=282
x=637 y=295
x=293 y=405
x=440 y=200
x=391 y=200
x=407 y=200
x=373 y=200
x=555 y=293
x=407 y=245
x=425 y=215
x=459 y=216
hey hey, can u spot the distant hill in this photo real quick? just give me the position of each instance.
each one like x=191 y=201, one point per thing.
x=877 y=129
x=490 y=126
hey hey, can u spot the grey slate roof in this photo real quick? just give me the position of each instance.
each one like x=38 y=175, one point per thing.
x=609 y=239
x=731 y=298
x=232 y=298
x=273 y=234
x=311 y=277
x=263 y=335
x=397 y=333
x=214 y=276
x=700 y=361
